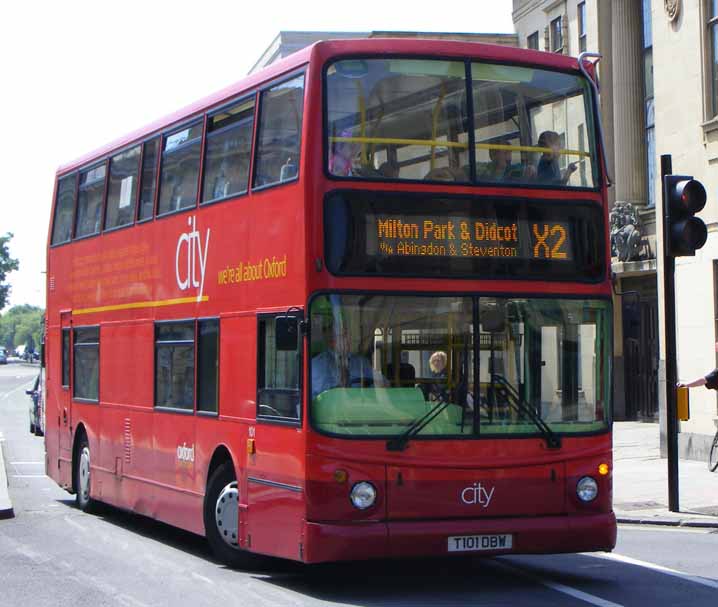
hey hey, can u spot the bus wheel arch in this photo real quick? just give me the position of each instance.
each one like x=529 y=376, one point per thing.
x=221 y=505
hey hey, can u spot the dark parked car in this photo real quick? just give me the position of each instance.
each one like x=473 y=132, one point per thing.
x=3 y=356
x=37 y=408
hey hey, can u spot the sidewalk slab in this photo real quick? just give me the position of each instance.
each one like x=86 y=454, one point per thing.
x=640 y=482
x=6 y=510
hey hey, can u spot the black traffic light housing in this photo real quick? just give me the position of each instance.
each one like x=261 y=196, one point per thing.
x=684 y=233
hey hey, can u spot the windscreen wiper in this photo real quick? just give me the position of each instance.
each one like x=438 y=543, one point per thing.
x=553 y=441
x=399 y=443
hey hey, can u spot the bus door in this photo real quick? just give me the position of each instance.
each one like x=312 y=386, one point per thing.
x=64 y=401
x=275 y=461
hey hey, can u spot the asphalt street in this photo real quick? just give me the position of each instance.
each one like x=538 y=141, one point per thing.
x=52 y=554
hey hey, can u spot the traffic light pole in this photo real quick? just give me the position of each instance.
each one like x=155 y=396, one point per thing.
x=669 y=307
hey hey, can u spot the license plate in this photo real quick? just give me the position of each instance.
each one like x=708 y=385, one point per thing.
x=477 y=543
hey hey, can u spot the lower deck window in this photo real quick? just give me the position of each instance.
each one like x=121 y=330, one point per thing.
x=86 y=363
x=177 y=346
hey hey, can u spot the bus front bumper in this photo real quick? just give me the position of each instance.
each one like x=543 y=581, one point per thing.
x=537 y=535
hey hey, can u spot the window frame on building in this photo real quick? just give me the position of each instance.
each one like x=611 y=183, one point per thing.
x=581 y=17
x=532 y=41
x=555 y=29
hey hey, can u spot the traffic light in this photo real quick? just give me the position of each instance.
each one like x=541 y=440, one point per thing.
x=684 y=233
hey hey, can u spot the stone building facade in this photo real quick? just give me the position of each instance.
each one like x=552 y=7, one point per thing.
x=659 y=95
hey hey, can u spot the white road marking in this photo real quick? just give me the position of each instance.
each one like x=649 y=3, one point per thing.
x=27 y=463
x=661 y=568
x=20 y=387
x=562 y=588
x=28 y=476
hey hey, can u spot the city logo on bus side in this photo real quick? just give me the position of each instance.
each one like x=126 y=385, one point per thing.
x=191 y=258
x=476 y=493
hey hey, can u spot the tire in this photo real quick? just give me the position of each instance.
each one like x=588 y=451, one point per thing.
x=713 y=456
x=32 y=428
x=82 y=476
x=221 y=505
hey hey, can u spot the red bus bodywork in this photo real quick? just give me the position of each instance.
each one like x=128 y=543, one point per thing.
x=291 y=503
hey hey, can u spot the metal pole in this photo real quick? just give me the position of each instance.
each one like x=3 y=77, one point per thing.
x=669 y=303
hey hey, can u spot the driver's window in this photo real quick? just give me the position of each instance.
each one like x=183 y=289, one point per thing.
x=278 y=376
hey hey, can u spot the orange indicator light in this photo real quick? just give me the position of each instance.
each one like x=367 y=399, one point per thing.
x=603 y=469
x=340 y=475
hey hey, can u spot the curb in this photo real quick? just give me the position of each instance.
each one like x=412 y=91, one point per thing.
x=667 y=522
x=6 y=510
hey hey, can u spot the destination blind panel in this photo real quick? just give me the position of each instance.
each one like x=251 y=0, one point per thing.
x=390 y=234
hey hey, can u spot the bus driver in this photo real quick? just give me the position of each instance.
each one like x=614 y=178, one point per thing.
x=337 y=366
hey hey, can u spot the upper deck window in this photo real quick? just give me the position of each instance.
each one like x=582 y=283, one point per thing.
x=397 y=119
x=122 y=193
x=64 y=207
x=89 y=201
x=228 y=151
x=280 y=129
x=179 y=175
x=408 y=119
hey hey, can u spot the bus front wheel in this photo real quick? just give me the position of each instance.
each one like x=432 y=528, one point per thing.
x=221 y=516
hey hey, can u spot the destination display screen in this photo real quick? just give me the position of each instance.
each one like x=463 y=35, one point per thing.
x=408 y=235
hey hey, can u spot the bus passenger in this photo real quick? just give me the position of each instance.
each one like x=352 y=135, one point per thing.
x=342 y=157
x=437 y=388
x=548 y=170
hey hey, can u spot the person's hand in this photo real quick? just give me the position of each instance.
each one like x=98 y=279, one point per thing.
x=530 y=172
x=571 y=168
x=680 y=384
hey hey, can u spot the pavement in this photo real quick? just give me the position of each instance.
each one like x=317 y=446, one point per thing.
x=640 y=482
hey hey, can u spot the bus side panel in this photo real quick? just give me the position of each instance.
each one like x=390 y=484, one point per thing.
x=126 y=440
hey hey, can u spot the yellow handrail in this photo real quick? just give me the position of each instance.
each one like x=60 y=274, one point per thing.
x=455 y=144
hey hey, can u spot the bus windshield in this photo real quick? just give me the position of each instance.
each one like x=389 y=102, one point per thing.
x=380 y=362
x=414 y=119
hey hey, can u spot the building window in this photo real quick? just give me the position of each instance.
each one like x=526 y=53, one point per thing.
x=713 y=55
x=278 y=375
x=557 y=35
x=86 y=363
x=533 y=41
x=648 y=100
x=582 y=27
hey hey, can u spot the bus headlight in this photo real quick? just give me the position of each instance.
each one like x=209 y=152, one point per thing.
x=363 y=495
x=587 y=489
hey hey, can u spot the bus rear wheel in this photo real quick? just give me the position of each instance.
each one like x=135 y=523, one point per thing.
x=221 y=516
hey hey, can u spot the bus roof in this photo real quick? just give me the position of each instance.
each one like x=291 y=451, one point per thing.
x=320 y=52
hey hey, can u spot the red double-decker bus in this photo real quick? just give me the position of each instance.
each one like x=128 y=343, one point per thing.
x=356 y=305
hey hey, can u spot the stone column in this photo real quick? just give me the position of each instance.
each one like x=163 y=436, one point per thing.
x=628 y=102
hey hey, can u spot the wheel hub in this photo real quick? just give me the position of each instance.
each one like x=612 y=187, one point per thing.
x=227 y=514
x=84 y=480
